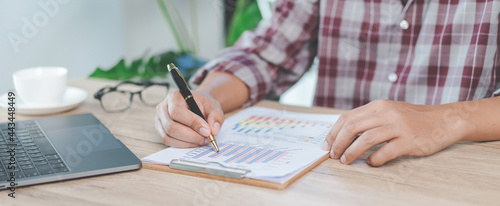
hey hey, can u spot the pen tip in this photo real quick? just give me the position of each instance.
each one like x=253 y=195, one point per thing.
x=170 y=66
x=214 y=143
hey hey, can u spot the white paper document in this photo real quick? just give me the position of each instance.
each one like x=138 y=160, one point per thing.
x=273 y=144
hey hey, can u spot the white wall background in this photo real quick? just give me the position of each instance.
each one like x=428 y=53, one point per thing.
x=83 y=34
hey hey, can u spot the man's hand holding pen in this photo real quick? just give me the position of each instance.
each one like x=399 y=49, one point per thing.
x=179 y=121
x=179 y=127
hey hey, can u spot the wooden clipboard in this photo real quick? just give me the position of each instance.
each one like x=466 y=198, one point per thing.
x=247 y=181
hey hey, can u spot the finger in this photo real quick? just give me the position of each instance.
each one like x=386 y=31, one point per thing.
x=389 y=151
x=161 y=110
x=170 y=141
x=351 y=129
x=366 y=141
x=355 y=113
x=182 y=132
x=212 y=111
x=159 y=128
x=167 y=140
x=178 y=111
x=215 y=118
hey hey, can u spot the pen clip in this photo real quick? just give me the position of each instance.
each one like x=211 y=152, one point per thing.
x=173 y=68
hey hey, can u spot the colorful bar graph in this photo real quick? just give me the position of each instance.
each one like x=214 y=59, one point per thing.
x=237 y=154
x=249 y=156
x=242 y=155
x=265 y=124
x=296 y=124
x=267 y=156
x=277 y=154
x=233 y=151
x=260 y=156
x=223 y=151
x=300 y=131
x=202 y=154
x=276 y=124
x=286 y=125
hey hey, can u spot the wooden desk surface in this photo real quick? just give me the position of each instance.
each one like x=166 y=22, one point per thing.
x=466 y=173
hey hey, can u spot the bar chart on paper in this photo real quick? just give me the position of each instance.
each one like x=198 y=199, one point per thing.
x=273 y=145
x=241 y=156
x=249 y=139
x=285 y=129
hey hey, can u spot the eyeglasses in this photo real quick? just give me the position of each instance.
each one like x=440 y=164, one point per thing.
x=119 y=98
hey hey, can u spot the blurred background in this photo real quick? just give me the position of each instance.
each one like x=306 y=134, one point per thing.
x=90 y=37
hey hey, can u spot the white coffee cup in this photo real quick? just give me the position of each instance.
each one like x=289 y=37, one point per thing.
x=41 y=86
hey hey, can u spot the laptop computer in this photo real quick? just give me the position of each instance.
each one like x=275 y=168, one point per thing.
x=60 y=148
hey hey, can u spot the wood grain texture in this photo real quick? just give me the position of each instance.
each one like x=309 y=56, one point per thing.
x=466 y=173
x=246 y=181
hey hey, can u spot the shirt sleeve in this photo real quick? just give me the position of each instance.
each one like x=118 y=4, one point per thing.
x=274 y=56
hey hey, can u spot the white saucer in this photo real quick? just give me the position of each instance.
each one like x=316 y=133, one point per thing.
x=72 y=98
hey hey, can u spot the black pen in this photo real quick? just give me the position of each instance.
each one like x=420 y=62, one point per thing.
x=186 y=93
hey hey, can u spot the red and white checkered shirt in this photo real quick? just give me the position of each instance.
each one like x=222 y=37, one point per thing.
x=436 y=52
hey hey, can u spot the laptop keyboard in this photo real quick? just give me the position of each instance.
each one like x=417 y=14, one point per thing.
x=35 y=156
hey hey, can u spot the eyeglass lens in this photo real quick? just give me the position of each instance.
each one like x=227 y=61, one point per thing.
x=120 y=100
x=154 y=94
x=116 y=101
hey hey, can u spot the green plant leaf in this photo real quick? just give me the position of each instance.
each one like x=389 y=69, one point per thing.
x=147 y=68
x=246 y=17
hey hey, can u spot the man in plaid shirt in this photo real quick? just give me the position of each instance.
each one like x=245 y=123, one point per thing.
x=419 y=75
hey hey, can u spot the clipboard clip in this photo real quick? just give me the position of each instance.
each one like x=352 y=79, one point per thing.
x=213 y=168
